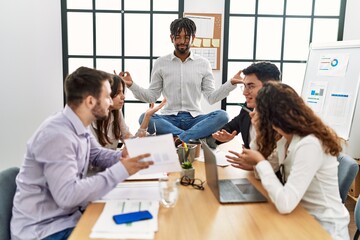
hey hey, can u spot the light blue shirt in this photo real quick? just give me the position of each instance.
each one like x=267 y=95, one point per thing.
x=52 y=183
x=182 y=84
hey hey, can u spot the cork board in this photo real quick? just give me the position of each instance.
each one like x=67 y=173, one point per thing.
x=207 y=42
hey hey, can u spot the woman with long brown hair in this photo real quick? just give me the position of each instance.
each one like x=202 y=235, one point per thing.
x=113 y=129
x=307 y=151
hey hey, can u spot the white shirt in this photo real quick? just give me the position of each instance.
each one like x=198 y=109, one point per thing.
x=182 y=84
x=311 y=180
x=273 y=158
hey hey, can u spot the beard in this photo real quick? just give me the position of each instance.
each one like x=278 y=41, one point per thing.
x=182 y=50
x=98 y=112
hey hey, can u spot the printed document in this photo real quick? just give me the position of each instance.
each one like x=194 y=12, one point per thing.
x=162 y=150
x=105 y=227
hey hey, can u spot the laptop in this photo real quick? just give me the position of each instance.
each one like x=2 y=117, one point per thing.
x=228 y=190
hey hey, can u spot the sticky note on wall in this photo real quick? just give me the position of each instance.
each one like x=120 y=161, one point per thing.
x=197 y=42
x=215 y=42
x=206 y=42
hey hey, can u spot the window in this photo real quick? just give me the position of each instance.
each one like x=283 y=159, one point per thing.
x=279 y=31
x=129 y=35
x=118 y=35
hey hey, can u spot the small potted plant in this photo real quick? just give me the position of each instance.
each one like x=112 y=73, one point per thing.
x=187 y=170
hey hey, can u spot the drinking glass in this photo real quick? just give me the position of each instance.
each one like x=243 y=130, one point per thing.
x=169 y=191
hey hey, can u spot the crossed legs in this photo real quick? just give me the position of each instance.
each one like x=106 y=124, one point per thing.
x=187 y=127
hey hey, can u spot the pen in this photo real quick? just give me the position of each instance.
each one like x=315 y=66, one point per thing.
x=185 y=146
x=245 y=108
x=187 y=152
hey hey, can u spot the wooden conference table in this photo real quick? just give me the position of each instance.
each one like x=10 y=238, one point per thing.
x=198 y=215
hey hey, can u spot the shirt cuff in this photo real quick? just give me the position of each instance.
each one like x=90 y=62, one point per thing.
x=256 y=174
x=118 y=172
x=134 y=86
x=264 y=168
x=229 y=86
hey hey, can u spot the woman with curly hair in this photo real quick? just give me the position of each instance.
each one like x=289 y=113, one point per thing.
x=307 y=153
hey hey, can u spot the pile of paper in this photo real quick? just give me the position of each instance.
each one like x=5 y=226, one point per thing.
x=138 y=190
x=105 y=227
x=223 y=149
x=151 y=176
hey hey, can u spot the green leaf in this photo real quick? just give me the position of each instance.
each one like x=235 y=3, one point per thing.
x=186 y=165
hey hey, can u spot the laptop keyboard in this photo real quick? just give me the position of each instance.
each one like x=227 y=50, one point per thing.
x=245 y=189
x=228 y=191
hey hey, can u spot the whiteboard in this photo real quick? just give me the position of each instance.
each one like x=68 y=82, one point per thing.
x=331 y=87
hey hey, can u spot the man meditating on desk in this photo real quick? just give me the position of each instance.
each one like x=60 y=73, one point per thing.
x=52 y=187
x=307 y=152
x=182 y=77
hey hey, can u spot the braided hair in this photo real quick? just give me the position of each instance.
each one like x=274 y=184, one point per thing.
x=183 y=23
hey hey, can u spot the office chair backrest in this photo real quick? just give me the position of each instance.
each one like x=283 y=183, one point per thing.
x=7 y=192
x=347 y=171
x=357 y=220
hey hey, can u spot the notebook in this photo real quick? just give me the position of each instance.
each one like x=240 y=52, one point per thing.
x=228 y=190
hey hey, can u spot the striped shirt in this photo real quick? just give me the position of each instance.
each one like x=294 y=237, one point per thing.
x=182 y=84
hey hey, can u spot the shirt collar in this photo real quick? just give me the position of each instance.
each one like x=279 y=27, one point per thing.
x=282 y=142
x=294 y=141
x=191 y=56
x=281 y=149
x=79 y=127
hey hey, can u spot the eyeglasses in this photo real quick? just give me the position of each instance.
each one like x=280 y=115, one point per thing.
x=249 y=88
x=196 y=183
x=282 y=173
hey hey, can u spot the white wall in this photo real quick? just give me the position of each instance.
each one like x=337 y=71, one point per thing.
x=31 y=66
x=198 y=6
x=352 y=18
x=31 y=72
